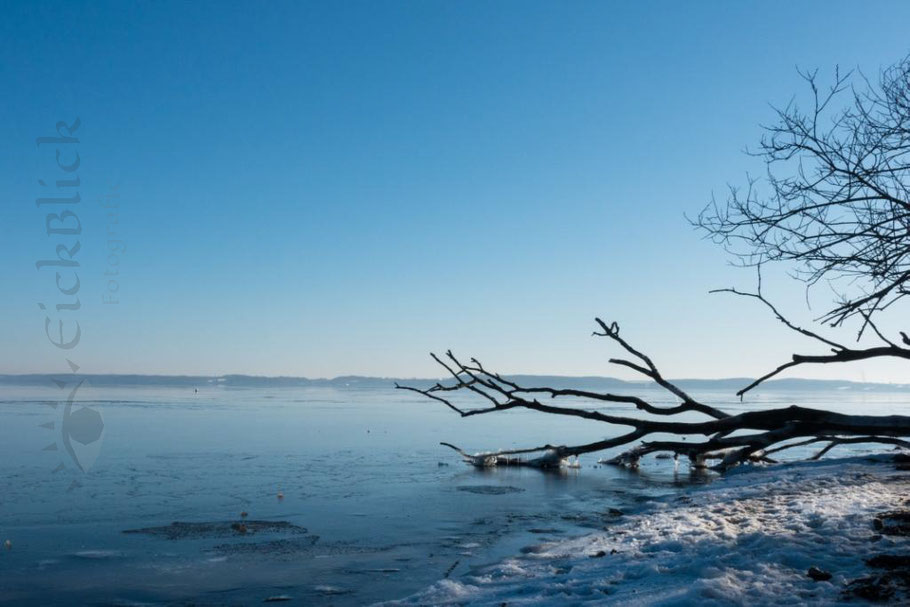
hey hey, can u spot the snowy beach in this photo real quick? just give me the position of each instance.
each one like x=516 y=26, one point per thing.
x=749 y=538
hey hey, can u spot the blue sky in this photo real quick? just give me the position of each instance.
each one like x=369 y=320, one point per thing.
x=321 y=189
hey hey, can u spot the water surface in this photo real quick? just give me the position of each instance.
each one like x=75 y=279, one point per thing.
x=379 y=509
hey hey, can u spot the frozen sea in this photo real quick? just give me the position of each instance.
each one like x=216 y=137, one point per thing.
x=350 y=498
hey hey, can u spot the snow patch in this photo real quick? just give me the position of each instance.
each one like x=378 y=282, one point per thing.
x=747 y=538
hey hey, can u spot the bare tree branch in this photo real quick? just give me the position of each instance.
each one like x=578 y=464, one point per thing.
x=840 y=353
x=839 y=356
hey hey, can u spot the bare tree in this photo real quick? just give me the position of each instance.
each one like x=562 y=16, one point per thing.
x=836 y=198
x=836 y=205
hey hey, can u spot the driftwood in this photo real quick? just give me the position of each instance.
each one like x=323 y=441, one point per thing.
x=729 y=439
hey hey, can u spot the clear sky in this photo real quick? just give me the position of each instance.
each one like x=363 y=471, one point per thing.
x=338 y=188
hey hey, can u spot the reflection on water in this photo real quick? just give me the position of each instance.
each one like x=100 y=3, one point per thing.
x=328 y=496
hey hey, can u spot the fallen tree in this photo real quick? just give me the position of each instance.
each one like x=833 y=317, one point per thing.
x=729 y=439
x=836 y=204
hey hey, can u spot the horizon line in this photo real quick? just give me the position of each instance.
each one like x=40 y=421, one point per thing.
x=6 y=376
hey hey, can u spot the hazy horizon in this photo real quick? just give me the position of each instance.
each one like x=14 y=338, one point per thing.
x=241 y=379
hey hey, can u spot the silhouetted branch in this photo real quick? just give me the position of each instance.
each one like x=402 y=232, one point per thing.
x=840 y=353
x=839 y=356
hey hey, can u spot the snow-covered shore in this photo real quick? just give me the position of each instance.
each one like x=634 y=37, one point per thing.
x=748 y=538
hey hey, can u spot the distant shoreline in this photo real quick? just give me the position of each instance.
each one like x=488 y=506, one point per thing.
x=356 y=381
